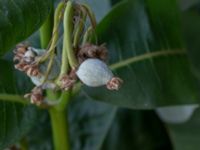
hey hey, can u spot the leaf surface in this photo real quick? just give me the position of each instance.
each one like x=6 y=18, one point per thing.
x=138 y=28
x=15 y=119
x=19 y=19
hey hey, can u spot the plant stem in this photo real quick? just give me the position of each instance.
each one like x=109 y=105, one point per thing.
x=64 y=99
x=79 y=28
x=87 y=35
x=60 y=129
x=57 y=18
x=91 y=15
x=68 y=30
x=64 y=64
x=146 y=56
x=57 y=113
x=13 y=98
x=46 y=31
x=23 y=144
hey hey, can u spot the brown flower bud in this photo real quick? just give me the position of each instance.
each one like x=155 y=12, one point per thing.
x=36 y=96
x=114 y=83
x=92 y=51
x=67 y=81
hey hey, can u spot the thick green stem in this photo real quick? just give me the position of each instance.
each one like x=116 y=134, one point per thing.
x=60 y=129
x=58 y=117
x=68 y=30
x=64 y=99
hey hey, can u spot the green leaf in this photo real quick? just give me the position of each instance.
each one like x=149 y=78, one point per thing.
x=15 y=119
x=42 y=139
x=186 y=136
x=185 y=4
x=139 y=130
x=191 y=22
x=114 y=2
x=143 y=28
x=19 y=19
x=89 y=122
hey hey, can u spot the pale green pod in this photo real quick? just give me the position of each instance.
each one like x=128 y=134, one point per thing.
x=176 y=114
x=94 y=73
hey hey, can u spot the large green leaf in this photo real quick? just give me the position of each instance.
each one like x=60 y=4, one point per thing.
x=42 y=139
x=90 y=122
x=139 y=130
x=191 y=21
x=15 y=119
x=19 y=19
x=138 y=27
x=186 y=136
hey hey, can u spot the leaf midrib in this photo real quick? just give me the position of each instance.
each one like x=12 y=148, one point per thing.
x=145 y=56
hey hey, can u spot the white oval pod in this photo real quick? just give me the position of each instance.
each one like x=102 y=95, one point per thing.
x=94 y=73
x=176 y=114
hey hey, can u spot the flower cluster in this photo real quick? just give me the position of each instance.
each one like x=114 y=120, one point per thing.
x=25 y=60
x=80 y=58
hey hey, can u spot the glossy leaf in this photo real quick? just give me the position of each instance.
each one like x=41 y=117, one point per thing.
x=136 y=28
x=19 y=19
x=191 y=22
x=15 y=119
x=186 y=136
x=140 y=130
x=89 y=123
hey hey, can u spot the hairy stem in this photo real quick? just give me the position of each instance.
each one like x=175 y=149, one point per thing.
x=146 y=56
